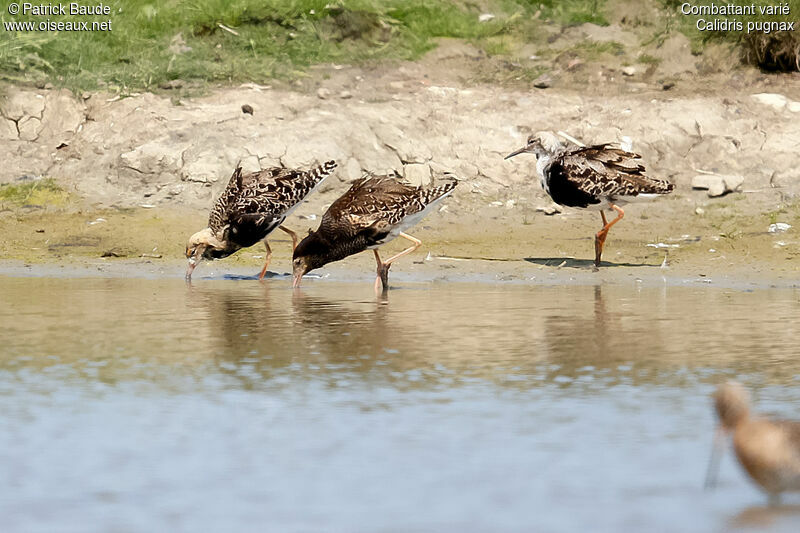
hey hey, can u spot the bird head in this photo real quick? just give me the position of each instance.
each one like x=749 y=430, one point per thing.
x=732 y=403
x=733 y=406
x=540 y=143
x=203 y=245
x=309 y=255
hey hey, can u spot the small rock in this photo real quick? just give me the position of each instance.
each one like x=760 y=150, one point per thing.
x=323 y=93
x=485 y=17
x=543 y=82
x=549 y=210
x=700 y=211
x=774 y=100
x=794 y=107
x=779 y=227
x=629 y=71
x=171 y=84
x=717 y=185
x=667 y=86
x=345 y=95
x=247 y=109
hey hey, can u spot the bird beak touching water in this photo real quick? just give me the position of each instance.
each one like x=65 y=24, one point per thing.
x=520 y=151
x=298 y=272
x=190 y=268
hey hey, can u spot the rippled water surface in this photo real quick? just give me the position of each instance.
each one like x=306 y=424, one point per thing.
x=148 y=405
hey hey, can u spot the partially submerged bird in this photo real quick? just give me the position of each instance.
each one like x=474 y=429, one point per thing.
x=374 y=211
x=597 y=177
x=250 y=208
x=769 y=450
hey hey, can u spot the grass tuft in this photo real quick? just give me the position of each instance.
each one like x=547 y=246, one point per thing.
x=42 y=192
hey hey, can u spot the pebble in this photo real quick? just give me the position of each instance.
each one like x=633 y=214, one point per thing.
x=779 y=227
x=543 y=82
x=323 y=93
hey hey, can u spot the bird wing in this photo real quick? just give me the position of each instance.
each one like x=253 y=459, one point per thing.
x=218 y=218
x=266 y=194
x=606 y=170
x=371 y=204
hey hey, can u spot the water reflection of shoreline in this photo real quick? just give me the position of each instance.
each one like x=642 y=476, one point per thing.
x=514 y=336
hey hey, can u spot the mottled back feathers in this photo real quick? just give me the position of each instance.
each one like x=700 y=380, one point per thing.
x=597 y=173
x=254 y=204
x=379 y=202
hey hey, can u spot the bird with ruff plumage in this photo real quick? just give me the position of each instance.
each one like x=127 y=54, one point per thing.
x=250 y=208
x=600 y=177
x=371 y=213
x=768 y=449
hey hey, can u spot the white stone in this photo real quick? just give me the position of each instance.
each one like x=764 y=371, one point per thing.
x=774 y=100
x=779 y=227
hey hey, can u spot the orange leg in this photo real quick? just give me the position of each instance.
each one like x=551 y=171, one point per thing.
x=292 y=234
x=383 y=266
x=266 y=263
x=600 y=236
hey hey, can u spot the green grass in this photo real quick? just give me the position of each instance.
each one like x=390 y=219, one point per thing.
x=155 y=41
x=44 y=192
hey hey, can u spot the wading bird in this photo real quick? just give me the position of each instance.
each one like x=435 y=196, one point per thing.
x=374 y=211
x=591 y=177
x=250 y=208
x=769 y=450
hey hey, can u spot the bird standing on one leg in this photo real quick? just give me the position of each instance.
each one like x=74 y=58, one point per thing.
x=250 y=208
x=374 y=211
x=592 y=177
x=769 y=450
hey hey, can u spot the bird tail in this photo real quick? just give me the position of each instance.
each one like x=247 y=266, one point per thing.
x=322 y=171
x=434 y=193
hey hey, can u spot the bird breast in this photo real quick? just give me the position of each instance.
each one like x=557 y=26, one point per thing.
x=542 y=164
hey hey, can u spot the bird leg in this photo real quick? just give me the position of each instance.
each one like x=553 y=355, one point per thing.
x=266 y=263
x=600 y=236
x=383 y=266
x=292 y=234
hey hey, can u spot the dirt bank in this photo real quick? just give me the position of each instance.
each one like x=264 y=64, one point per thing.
x=150 y=166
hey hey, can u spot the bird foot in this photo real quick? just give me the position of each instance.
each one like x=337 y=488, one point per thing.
x=383 y=277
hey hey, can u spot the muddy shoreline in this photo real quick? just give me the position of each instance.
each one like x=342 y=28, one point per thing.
x=141 y=172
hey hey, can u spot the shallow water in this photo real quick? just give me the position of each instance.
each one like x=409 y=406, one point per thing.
x=148 y=405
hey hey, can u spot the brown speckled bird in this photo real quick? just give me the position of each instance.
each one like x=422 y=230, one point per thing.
x=374 y=211
x=592 y=177
x=769 y=450
x=250 y=208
